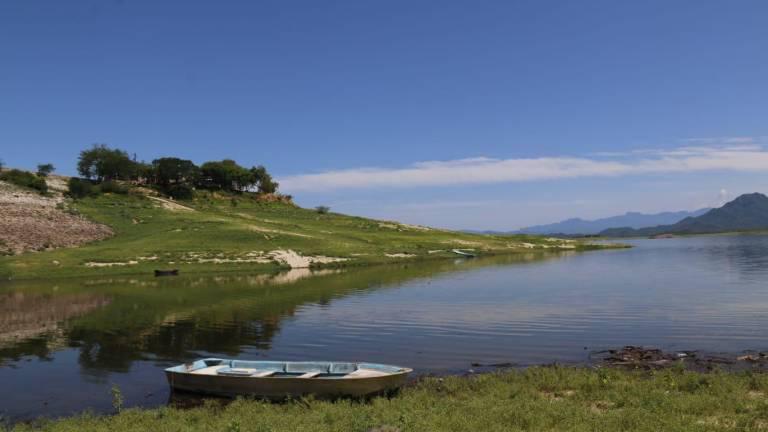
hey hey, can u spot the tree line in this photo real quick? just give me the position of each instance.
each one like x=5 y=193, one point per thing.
x=173 y=176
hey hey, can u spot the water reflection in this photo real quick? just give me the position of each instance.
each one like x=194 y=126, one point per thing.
x=32 y=323
x=113 y=322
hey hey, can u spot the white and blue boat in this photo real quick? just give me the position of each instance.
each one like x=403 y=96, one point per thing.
x=277 y=379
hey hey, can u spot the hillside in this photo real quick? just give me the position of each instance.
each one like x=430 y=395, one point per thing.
x=748 y=212
x=576 y=226
x=223 y=232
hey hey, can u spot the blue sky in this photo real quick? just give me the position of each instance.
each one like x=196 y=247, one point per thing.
x=483 y=114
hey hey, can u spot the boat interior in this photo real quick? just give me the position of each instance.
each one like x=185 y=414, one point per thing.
x=275 y=369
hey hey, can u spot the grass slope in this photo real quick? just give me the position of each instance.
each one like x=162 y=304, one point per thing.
x=223 y=233
x=537 y=399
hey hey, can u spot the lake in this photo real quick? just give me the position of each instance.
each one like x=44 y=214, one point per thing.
x=65 y=343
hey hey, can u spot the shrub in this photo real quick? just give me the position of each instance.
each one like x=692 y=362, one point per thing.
x=180 y=191
x=25 y=179
x=44 y=169
x=112 y=187
x=80 y=188
x=322 y=209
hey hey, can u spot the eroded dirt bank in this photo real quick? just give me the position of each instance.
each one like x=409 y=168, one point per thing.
x=33 y=222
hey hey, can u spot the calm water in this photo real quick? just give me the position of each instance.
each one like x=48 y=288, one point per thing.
x=63 y=344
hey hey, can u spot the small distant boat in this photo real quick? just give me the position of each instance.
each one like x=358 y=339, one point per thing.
x=174 y=272
x=462 y=253
x=662 y=236
x=279 y=380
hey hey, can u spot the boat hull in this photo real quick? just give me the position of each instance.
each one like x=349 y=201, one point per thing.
x=281 y=387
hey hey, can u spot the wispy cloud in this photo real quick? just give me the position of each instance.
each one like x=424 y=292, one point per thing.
x=710 y=154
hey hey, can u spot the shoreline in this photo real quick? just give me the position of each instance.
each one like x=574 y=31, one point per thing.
x=553 y=397
x=147 y=269
x=233 y=233
x=633 y=363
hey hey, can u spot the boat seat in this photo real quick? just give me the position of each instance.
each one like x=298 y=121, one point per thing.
x=258 y=365
x=365 y=373
x=264 y=374
x=342 y=368
x=307 y=367
x=309 y=375
x=235 y=371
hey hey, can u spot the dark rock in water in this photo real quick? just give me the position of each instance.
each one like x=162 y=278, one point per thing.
x=494 y=365
x=636 y=357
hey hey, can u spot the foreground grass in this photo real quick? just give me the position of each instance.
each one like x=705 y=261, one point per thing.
x=537 y=399
x=224 y=233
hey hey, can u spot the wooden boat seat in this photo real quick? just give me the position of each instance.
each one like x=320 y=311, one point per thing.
x=245 y=372
x=210 y=370
x=365 y=373
x=310 y=375
x=236 y=371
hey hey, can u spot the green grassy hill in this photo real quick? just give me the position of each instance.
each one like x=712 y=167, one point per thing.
x=217 y=232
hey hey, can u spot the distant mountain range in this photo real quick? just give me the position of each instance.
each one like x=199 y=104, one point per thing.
x=746 y=213
x=578 y=226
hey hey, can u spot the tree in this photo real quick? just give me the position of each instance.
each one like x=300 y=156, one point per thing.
x=44 y=169
x=171 y=170
x=145 y=173
x=103 y=163
x=225 y=175
x=2 y=164
x=263 y=179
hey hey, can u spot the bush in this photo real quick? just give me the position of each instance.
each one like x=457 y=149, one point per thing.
x=112 y=187
x=322 y=209
x=80 y=188
x=180 y=191
x=44 y=169
x=25 y=179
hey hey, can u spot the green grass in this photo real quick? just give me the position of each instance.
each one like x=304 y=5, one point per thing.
x=231 y=227
x=537 y=399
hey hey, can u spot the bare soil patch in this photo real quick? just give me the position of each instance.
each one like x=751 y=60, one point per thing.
x=32 y=222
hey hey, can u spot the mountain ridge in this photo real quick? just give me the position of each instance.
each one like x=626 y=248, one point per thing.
x=748 y=212
x=576 y=226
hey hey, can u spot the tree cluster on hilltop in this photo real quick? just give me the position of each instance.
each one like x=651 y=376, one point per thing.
x=171 y=175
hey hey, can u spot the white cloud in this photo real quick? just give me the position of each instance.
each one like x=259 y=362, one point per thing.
x=730 y=154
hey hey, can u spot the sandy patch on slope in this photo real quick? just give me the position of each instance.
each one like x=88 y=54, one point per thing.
x=170 y=205
x=110 y=264
x=276 y=231
x=403 y=227
x=294 y=260
x=463 y=242
x=288 y=258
